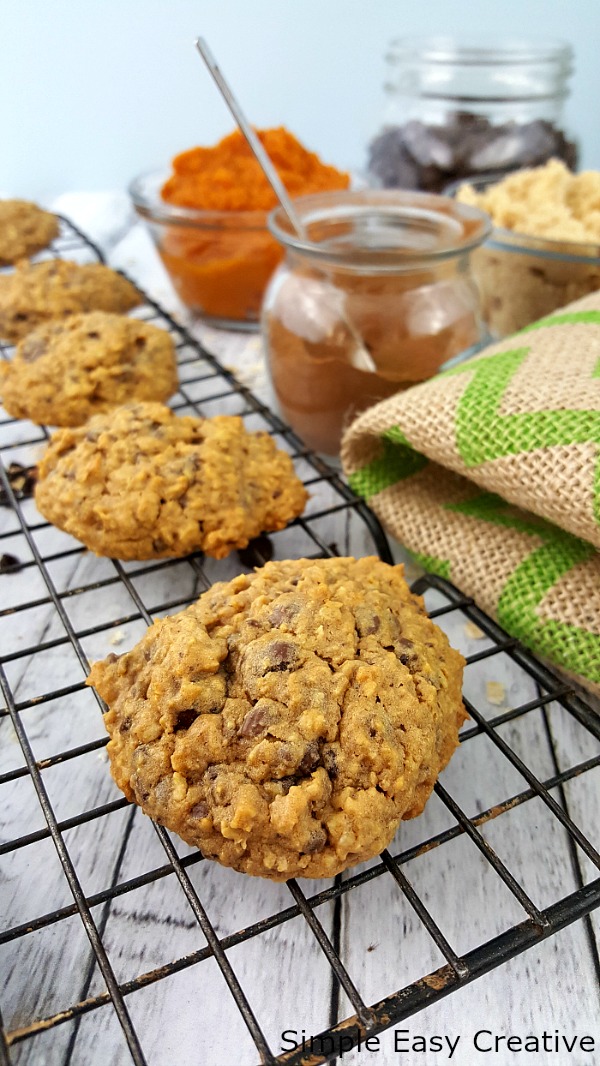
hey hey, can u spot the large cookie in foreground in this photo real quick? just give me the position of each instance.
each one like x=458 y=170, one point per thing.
x=140 y=483
x=36 y=292
x=25 y=229
x=71 y=368
x=286 y=722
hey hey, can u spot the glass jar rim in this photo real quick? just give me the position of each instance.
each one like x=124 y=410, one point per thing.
x=508 y=240
x=480 y=50
x=383 y=219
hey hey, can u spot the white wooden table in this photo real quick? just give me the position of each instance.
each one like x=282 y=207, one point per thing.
x=189 y=1018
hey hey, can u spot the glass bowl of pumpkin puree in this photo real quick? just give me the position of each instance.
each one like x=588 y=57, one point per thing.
x=208 y=218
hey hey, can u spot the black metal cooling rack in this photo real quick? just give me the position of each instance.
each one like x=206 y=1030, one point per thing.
x=336 y=523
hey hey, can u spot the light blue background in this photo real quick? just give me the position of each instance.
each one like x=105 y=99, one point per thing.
x=93 y=92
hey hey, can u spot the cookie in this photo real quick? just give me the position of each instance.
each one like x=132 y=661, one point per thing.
x=71 y=368
x=24 y=229
x=36 y=292
x=287 y=721
x=141 y=483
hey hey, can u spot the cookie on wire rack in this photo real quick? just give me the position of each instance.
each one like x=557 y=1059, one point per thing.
x=71 y=368
x=290 y=719
x=25 y=229
x=36 y=292
x=139 y=482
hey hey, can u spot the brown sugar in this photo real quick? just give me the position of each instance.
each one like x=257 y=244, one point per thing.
x=556 y=261
x=547 y=201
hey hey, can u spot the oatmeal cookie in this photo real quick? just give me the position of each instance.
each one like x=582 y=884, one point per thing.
x=24 y=229
x=71 y=368
x=36 y=292
x=287 y=721
x=140 y=483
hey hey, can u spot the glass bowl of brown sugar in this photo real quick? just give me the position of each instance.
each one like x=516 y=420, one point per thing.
x=544 y=250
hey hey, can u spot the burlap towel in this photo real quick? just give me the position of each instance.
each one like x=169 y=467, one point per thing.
x=490 y=475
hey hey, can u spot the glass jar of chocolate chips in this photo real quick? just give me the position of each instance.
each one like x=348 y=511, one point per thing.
x=457 y=109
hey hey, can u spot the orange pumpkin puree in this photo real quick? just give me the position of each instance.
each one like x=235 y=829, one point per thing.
x=220 y=266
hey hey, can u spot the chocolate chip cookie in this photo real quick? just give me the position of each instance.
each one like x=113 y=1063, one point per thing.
x=71 y=368
x=140 y=483
x=36 y=292
x=287 y=721
x=24 y=229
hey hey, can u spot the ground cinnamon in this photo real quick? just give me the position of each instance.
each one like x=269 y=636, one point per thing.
x=410 y=324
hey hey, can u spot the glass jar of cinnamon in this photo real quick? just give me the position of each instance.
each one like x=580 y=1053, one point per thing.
x=375 y=296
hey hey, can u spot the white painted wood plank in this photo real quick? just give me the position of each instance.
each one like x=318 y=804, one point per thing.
x=573 y=745
x=550 y=987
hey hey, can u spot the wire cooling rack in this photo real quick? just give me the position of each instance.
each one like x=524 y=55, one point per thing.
x=88 y=880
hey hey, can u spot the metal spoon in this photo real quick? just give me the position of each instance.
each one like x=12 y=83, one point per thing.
x=360 y=357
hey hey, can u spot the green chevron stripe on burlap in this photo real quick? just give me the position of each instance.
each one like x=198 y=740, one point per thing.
x=482 y=434
x=433 y=564
x=577 y=650
x=567 y=319
x=572 y=647
x=521 y=421
x=396 y=462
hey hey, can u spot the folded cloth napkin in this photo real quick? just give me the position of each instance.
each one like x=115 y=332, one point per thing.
x=489 y=474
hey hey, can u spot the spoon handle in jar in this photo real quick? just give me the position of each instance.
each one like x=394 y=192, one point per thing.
x=253 y=141
x=358 y=356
